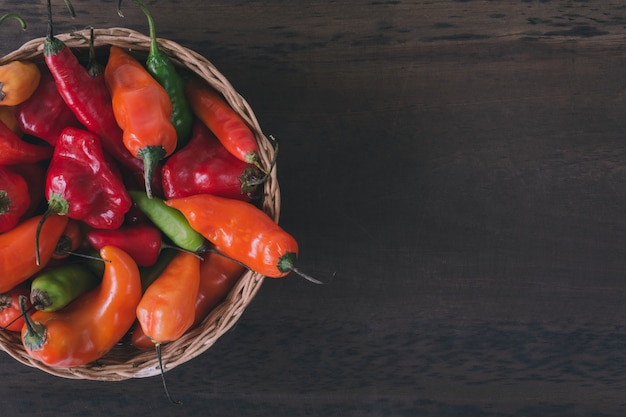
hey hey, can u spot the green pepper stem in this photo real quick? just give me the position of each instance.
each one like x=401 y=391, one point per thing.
x=56 y=205
x=154 y=47
x=151 y=155
x=70 y=8
x=35 y=335
x=16 y=17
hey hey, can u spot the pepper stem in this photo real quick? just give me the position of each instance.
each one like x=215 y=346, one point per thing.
x=14 y=16
x=157 y=346
x=286 y=263
x=154 y=47
x=5 y=202
x=35 y=335
x=56 y=205
x=151 y=155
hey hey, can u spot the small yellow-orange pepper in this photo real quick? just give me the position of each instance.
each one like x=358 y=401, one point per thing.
x=18 y=81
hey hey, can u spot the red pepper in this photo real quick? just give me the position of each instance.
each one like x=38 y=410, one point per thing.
x=14 y=198
x=81 y=184
x=141 y=241
x=13 y=150
x=204 y=166
x=11 y=318
x=88 y=97
x=45 y=114
x=35 y=176
x=210 y=107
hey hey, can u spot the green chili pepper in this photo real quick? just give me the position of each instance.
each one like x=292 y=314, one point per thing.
x=161 y=67
x=170 y=221
x=56 y=288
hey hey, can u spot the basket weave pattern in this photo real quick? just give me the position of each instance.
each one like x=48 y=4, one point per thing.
x=125 y=361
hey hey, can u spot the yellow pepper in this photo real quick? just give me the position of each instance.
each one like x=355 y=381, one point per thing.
x=18 y=81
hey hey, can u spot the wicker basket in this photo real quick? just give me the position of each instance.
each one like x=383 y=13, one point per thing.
x=125 y=361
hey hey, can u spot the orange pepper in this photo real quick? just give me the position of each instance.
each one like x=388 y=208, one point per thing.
x=91 y=325
x=241 y=231
x=8 y=117
x=167 y=308
x=142 y=109
x=70 y=240
x=18 y=252
x=18 y=81
x=218 y=275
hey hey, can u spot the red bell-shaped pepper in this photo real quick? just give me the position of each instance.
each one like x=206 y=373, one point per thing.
x=205 y=166
x=81 y=184
x=45 y=114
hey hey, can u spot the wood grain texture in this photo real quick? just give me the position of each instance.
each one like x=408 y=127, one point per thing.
x=458 y=164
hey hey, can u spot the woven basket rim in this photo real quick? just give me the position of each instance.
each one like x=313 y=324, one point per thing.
x=123 y=361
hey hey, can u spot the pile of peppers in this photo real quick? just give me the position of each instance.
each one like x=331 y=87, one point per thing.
x=129 y=202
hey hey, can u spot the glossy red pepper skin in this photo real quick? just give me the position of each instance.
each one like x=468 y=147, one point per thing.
x=81 y=184
x=45 y=114
x=227 y=125
x=14 y=198
x=35 y=176
x=141 y=241
x=205 y=166
x=89 y=99
x=14 y=150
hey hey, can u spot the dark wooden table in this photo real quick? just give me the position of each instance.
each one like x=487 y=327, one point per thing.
x=454 y=170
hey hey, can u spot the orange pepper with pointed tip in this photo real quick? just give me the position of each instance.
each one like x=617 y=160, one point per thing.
x=167 y=308
x=218 y=275
x=91 y=325
x=241 y=231
x=143 y=111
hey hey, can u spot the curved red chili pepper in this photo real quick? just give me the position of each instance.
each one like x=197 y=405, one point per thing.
x=88 y=97
x=45 y=114
x=14 y=198
x=14 y=150
x=204 y=165
x=210 y=107
x=82 y=185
